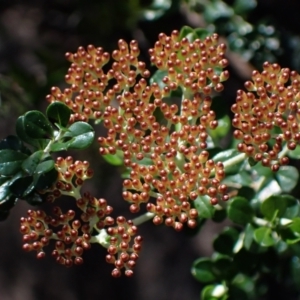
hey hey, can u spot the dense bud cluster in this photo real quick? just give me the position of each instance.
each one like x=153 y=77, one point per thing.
x=163 y=143
x=123 y=250
x=166 y=158
x=267 y=116
x=71 y=176
x=91 y=89
x=72 y=236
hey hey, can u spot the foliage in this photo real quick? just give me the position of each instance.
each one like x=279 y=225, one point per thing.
x=169 y=135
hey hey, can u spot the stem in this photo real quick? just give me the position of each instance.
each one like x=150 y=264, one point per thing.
x=143 y=218
x=234 y=160
x=101 y=238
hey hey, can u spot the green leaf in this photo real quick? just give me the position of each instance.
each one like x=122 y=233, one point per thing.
x=37 y=126
x=10 y=161
x=225 y=241
x=80 y=135
x=239 y=211
x=45 y=180
x=215 y=10
x=287 y=177
x=21 y=132
x=14 y=143
x=294 y=153
x=115 y=160
x=249 y=241
x=30 y=163
x=214 y=292
x=295 y=226
x=223 y=128
x=225 y=156
x=158 y=77
x=22 y=186
x=202 y=270
x=58 y=112
x=263 y=236
x=243 y=6
x=204 y=208
x=273 y=205
x=224 y=268
x=292 y=207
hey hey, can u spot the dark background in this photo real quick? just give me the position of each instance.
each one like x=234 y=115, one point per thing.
x=34 y=35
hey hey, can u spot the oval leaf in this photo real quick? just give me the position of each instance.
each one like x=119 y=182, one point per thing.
x=37 y=125
x=204 y=207
x=263 y=236
x=202 y=270
x=11 y=161
x=58 y=112
x=239 y=211
x=80 y=135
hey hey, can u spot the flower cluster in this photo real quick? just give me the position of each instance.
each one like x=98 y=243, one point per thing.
x=123 y=252
x=72 y=236
x=267 y=116
x=71 y=176
x=167 y=159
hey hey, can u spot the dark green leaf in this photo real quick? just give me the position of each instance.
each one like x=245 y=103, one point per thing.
x=30 y=163
x=204 y=207
x=22 y=186
x=202 y=270
x=263 y=236
x=243 y=6
x=292 y=207
x=37 y=126
x=21 y=132
x=249 y=241
x=226 y=240
x=219 y=215
x=80 y=135
x=10 y=161
x=58 y=112
x=239 y=211
x=224 y=268
x=14 y=143
x=45 y=180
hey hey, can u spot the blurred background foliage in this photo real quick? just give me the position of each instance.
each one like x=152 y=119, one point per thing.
x=35 y=34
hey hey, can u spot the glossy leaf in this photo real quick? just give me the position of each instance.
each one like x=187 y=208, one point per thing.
x=30 y=163
x=239 y=211
x=287 y=177
x=214 y=292
x=249 y=241
x=22 y=186
x=37 y=125
x=14 y=143
x=10 y=161
x=227 y=154
x=202 y=270
x=204 y=207
x=58 y=112
x=22 y=134
x=45 y=180
x=263 y=236
x=80 y=135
